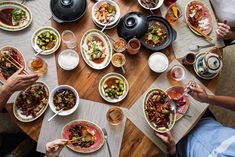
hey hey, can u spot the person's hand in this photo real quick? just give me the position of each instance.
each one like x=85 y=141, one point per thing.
x=19 y=81
x=54 y=148
x=223 y=31
x=197 y=92
x=168 y=139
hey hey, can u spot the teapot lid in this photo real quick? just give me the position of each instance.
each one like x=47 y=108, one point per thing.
x=68 y=10
x=213 y=61
x=133 y=24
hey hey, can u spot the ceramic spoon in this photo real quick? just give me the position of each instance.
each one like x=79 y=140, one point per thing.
x=196 y=48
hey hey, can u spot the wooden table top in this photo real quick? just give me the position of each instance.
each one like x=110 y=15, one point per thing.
x=85 y=80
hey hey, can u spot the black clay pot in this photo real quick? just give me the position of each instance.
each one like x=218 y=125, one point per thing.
x=133 y=24
x=171 y=34
x=68 y=10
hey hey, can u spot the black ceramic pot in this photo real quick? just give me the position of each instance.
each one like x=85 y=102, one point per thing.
x=171 y=34
x=68 y=10
x=133 y=24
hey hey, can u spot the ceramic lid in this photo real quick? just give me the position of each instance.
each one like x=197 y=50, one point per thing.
x=68 y=10
x=213 y=62
x=133 y=24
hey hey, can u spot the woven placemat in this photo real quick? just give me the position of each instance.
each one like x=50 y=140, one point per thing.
x=185 y=37
x=22 y=40
x=87 y=110
x=136 y=115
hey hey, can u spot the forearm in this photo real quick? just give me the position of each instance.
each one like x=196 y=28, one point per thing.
x=222 y=101
x=5 y=94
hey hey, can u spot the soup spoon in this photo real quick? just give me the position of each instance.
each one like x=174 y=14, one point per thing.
x=55 y=115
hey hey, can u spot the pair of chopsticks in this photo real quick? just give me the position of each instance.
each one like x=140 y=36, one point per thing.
x=207 y=37
x=13 y=62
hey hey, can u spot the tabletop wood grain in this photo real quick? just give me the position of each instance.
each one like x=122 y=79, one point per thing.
x=85 y=80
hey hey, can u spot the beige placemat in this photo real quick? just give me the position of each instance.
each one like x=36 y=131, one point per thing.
x=135 y=113
x=22 y=40
x=185 y=37
x=87 y=110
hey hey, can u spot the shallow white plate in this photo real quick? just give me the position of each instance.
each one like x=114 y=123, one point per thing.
x=158 y=62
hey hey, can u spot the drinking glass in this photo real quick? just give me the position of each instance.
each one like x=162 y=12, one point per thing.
x=69 y=39
x=114 y=116
x=133 y=46
x=173 y=14
x=177 y=73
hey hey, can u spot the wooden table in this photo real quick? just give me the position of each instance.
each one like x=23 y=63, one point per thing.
x=86 y=80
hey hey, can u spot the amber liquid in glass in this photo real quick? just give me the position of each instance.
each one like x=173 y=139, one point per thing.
x=38 y=66
x=114 y=116
x=173 y=14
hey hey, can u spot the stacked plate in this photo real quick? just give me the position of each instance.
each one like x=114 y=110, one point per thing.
x=116 y=17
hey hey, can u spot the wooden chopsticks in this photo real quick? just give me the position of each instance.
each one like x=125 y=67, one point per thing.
x=207 y=37
x=13 y=62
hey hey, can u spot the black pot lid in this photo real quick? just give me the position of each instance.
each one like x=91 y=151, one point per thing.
x=68 y=10
x=133 y=24
x=171 y=34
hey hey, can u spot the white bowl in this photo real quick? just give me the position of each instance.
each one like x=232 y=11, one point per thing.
x=66 y=112
x=159 y=4
x=72 y=57
x=158 y=62
x=117 y=16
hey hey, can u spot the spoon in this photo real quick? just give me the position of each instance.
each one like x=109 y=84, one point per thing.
x=173 y=107
x=193 y=84
x=123 y=70
x=148 y=7
x=55 y=114
x=196 y=48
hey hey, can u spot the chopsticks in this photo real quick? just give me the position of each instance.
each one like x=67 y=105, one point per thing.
x=207 y=37
x=13 y=62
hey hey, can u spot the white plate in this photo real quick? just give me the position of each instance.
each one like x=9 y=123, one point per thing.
x=107 y=44
x=38 y=32
x=155 y=59
x=23 y=118
x=113 y=75
x=117 y=15
x=25 y=24
x=66 y=112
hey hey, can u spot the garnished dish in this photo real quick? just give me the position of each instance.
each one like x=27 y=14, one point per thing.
x=182 y=105
x=119 y=45
x=83 y=136
x=156 y=35
x=8 y=58
x=46 y=40
x=31 y=103
x=14 y=16
x=96 y=49
x=38 y=66
x=198 y=15
x=113 y=87
x=105 y=13
x=151 y=4
x=64 y=98
x=158 y=112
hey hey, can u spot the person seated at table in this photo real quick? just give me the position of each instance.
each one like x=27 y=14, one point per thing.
x=54 y=148
x=8 y=129
x=225 y=13
x=209 y=138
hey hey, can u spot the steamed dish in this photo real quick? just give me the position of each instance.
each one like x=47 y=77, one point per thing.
x=12 y=16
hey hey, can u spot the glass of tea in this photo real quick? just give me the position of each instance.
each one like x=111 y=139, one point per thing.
x=189 y=59
x=114 y=116
x=69 y=39
x=38 y=66
x=173 y=14
x=177 y=73
x=133 y=46
x=169 y=2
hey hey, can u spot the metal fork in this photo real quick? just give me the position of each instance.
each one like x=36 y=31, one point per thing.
x=106 y=140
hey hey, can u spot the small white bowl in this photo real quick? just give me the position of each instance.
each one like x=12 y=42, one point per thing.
x=72 y=57
x=66 y=112
x=117 y=16
x=159 y=4
x=158 y=62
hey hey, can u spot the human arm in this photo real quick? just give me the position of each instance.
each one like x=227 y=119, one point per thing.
x=168 y=139
x=54 y=148
x=224 y=31
x=200 y=94
x=16 y=82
